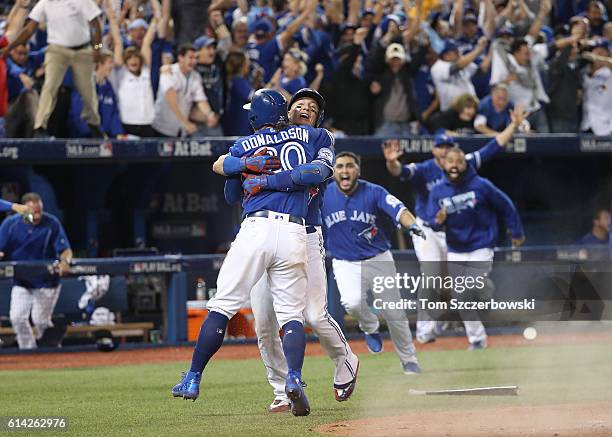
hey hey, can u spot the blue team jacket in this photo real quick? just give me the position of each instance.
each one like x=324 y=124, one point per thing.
x=473 y=206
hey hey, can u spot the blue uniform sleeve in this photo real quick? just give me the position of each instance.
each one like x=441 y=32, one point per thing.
x=484 y=154
x=236 y=150
x=5 y=205
x=60 y=241
x=433 y=206
x=389 y=204
x=4 y=235
x=412 y=171
x=504 y=207
x=232 y=190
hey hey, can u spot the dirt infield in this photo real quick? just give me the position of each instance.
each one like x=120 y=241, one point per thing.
x=237 y=352
x=569 y=420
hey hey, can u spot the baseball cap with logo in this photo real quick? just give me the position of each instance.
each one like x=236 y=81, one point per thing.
x=470 y=18
x=449 y=46
x=262 y=27
x=395 y=50
x=443 y=140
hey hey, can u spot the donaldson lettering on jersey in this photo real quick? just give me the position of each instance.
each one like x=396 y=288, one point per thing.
x=459 y=202
x=358 y=216
x=262 y=140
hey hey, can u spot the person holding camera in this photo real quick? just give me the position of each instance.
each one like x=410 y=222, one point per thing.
x=40 y=237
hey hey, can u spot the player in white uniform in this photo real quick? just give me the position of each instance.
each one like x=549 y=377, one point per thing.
x=270 y=217
x=597 y=86
x=306 y=107
x=424 y=176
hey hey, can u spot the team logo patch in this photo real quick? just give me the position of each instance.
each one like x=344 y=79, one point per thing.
x=369 y=233
x=392 y=201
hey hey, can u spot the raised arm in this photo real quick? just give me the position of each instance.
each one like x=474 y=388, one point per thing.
x=115 y=33
x=164 y=21
x=457 y=17
x=415 y=23
x=16 y=18
x=286 y=36
x=470 y=57
x=147 y=41
x=534 y=29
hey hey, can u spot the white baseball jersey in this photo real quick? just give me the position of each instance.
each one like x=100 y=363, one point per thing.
x=597 y=102
x=448 y=85
x=67 y=20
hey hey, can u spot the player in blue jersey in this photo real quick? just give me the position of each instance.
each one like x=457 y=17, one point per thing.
x=467 y=206
x=306 y=108
x=424 y=176
x=270 y=217
x=361 y=256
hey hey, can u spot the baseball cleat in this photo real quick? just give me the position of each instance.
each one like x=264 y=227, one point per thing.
x=411 y=368
x=427 y=338
x=279 y=405
x=295 y=392
x=343 y=392
x=189 y=387
x=374 y=343
x=481 y=344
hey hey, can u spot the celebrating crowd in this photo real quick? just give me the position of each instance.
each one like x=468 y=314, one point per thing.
x=141 y=68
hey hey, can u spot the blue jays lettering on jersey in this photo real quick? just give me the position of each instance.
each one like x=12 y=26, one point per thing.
x=427 y=174
x=21 y=242
x=293 y=145
x=351 y=222
x=266 y=55
x=473 y=206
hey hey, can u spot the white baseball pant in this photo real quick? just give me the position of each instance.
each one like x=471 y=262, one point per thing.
x=330 y=335
x=431 y=253
x=272 y=245
x=37 y=302
x=482 y=260
x=354 y=279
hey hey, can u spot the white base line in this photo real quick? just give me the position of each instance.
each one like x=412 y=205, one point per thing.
x=509 y=390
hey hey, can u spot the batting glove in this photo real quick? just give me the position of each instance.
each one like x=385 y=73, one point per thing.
x=259 y=164
x=254 y=184
x=414 y=229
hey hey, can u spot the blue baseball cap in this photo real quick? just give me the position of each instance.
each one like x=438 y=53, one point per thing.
x=470 y=18
x=204 y=41
x=601 y=43
x=449 y=46
x=443 y=140
x=138 y=22
x=505 y=31
x=261 y=27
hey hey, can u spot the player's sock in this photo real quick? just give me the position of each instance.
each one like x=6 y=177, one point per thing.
x=294 y=344
x=210 y=339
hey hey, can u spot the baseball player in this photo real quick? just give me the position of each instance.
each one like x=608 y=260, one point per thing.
x=360 y=252
x=270 y=217
x=39 y=237
x=468 y=207
x=306 y=107
x=426 y=175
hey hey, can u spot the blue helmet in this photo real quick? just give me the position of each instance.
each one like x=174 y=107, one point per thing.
x=314 y=95
x=267 y=107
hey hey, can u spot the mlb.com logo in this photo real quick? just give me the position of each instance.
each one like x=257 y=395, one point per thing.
x=166 y=148
x=77 y=149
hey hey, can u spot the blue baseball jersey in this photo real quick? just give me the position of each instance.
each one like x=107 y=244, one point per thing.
x=293 y=145
x=351 y=222
x=21 y=241
x=267 y=55
x=427 y=174
x=473 y=206
x=495 y=120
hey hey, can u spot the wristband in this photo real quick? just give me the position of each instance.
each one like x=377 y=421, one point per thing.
x=232 y=165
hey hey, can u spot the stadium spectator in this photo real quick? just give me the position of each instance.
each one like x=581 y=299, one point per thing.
x=23 y=79
x=235 y=120
x=267 y=48
x=289 y=78
x=596 y=14
x=13 y=24
x=452 y=73
x=107 y=103
x=518 y=69
x=190 y=18
x=564 y=90
x=180 y=87
x=210 y=68
x=597 y=91
x=458 y=120
x=42 y=239
x=348 y=98
x=600 y=231
x=494 y=111
x=515 y=14
x=132 y=81
x=74 y=37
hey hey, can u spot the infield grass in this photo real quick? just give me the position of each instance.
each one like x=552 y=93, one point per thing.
x=136 y=400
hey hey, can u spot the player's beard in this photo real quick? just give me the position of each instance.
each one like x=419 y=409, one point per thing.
x=455 y=177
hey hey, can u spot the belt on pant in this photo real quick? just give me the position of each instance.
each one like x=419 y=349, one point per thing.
x=82 y=46
x=277 y=216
